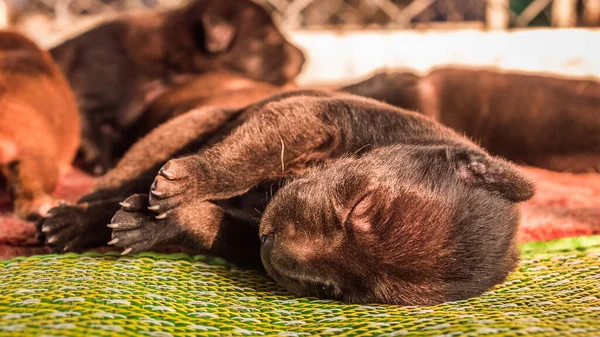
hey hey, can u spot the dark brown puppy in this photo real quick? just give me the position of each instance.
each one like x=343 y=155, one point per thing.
x=216 y=88
x=542 y=121
x=117 y=67
x=383 y=205
x=39 y=124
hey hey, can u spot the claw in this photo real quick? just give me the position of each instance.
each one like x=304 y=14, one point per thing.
x=125 y=204
x=51 y=239
x=154 y=208
x=113 y=241
x=161 y=216
x=157 y=193
x=113 y=225
x=126 y=251
x=167 y=174
x=45 y=228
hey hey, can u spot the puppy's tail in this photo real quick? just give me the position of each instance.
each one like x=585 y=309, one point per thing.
x=8 y=151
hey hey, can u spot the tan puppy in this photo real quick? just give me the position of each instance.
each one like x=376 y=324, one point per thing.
x=39 y=124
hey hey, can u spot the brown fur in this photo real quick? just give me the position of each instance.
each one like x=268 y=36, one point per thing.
x=211 y=89
x=553 y=123
x=407 y=212
x=39 y=124
x=119 y=66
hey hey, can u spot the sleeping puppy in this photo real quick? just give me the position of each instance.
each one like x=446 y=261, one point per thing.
x=371 y=203
x=119 y=66
x=552 y=123
x=215 y=88
x=39 y=124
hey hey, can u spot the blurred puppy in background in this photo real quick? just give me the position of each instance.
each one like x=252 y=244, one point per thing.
x=117 y=68
x=39 y=124
x=543 y=121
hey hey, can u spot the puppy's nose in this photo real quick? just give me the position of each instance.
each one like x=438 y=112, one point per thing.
x=266 y=248
x=267 y=239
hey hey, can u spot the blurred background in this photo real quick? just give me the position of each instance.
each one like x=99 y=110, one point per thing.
x=310 y=14
x=348 y=39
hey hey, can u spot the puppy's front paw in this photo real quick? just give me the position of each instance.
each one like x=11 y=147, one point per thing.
x=176 y=183
x=63 y=228
x=135 y=229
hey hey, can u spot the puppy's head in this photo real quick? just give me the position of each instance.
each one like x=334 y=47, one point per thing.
x=236 y=35
x=405 y=225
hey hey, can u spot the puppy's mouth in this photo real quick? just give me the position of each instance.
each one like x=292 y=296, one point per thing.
x=296 y=282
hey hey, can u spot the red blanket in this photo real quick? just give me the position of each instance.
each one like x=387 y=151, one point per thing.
x=565 y=205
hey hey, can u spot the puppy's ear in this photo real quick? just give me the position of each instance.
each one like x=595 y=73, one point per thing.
x=214 y=33
x=493 y=174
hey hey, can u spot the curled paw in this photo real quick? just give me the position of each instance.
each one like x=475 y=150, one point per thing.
x=175 y=183
x=63 y=228
x=135 y=228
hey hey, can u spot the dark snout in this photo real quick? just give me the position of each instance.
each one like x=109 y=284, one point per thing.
x=288 y=273
x=266 y=248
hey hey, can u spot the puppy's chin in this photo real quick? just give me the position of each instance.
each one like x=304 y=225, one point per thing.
x=304 y=285
x=297 y=281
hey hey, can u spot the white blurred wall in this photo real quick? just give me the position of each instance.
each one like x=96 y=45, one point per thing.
x=343 y=56
x=335 y=57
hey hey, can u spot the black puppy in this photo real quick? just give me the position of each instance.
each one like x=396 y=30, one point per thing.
x=119 y=66
x=209 y=89
x=543 y=121
x=378 y=204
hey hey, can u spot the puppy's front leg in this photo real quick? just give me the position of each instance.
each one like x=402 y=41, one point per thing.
x=286 y=137
x=198 y=225
x=279 y=139
x=283 y=138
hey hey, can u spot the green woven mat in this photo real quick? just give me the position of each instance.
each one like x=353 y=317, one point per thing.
x=555 y=292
